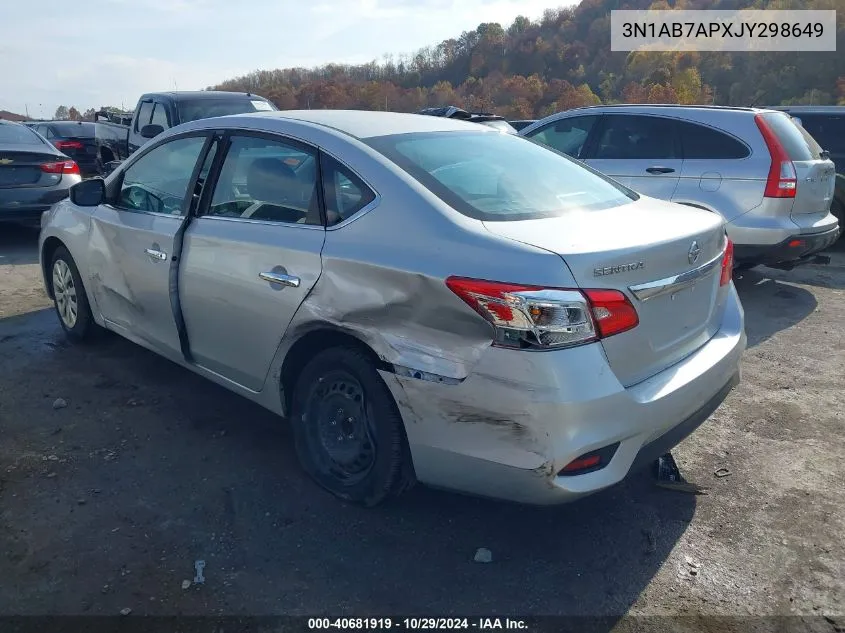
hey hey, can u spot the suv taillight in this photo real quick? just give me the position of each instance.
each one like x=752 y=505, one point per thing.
x=537 y=317
x=782 y=180
x=61 y=167
x=727 y=264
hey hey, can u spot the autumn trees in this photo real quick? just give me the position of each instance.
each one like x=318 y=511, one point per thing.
x=531 y=68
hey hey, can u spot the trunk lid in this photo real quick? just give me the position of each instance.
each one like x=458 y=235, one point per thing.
x=23 y=169
x=629 y=248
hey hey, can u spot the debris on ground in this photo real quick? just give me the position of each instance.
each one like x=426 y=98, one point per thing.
x=669 y=477
x=186 y=584
x=722 y=472
x=125 y=611
x=199 y=566
x=483 y=555
x=59 y=403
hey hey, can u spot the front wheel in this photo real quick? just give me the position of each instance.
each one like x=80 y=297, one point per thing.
x=349 y=434
x=69 y=297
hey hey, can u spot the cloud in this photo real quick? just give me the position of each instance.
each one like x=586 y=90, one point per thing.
x=110 y=51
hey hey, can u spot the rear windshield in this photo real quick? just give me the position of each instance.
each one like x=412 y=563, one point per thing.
x=18 y=135
x=828 y=130
x=799 y=145
x=71 y=129
x=192 y=110
x=499 y=177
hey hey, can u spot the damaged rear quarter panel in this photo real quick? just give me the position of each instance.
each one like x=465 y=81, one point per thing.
x=384 y=278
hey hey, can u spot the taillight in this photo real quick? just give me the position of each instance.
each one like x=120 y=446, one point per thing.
x=67 y=145
x=533 y=316
x=727 y=264
x=782 y=180
x=612 y=311
x=61 y=167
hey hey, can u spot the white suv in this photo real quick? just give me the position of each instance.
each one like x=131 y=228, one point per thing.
x=767 y=176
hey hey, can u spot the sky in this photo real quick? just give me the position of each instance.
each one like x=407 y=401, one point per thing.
x=94 y=53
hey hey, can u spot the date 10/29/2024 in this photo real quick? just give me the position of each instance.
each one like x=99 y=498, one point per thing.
x=416 y=624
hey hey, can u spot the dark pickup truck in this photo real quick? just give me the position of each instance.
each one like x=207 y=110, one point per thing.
x=159 y=111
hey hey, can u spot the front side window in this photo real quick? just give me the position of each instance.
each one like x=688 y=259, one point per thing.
x=160 y=116
x=566 y=135
x=344 y=192
x=497 y=177
x=145 y=113
x=158 y=181
x=636 y=137
x=267 y=180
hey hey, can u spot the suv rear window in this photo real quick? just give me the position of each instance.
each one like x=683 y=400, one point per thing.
x=799 y=145
x=18 y=135
x=499 y=177
x=700 y=142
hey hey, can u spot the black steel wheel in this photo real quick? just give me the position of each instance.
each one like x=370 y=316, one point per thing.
x=349 y=434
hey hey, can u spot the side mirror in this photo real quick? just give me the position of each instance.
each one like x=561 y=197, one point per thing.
x=88 y=193
x=110 y=166
x=151 y=131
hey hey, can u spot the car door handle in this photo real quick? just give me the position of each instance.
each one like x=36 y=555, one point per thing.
x=280 y=278
x=156 y=254
x=660 y=170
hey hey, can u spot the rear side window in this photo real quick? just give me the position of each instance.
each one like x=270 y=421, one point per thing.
x=827 y=129
x=799 y=145
x=500 y=177
x=636 y=137
x=700 y=142
x=145 y=113
x=267 y=180
x=18 y=135
x=566 y=135
x=345 y=193
x=160 y=116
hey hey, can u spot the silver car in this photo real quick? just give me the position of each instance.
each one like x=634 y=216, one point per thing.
x=424 y=299
x=766 y=176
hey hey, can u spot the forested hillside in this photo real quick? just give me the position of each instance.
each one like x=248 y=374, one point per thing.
x=531 y=68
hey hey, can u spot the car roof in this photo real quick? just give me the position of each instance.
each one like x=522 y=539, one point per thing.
x=200 y=94
x=360 y=124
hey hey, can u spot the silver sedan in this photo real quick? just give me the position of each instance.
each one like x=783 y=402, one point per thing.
x=424 y=299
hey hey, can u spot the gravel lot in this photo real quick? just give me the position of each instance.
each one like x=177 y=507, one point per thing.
x=106 y=503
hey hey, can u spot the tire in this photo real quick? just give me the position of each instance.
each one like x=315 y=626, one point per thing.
x=69 y=297
x=349 y=434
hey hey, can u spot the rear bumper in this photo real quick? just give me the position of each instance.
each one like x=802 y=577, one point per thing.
x=511 y=426
x=794 y=248
x=27 y=204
